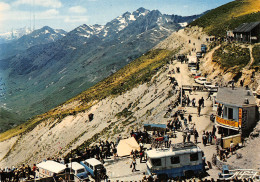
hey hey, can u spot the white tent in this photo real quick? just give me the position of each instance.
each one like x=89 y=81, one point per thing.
x=125 y=146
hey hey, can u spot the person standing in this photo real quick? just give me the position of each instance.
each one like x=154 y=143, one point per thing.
x=188 y=137
x=190 y=118
x=67 y=173
x=196 y=135
x=199 y=109
x=204 y=139
x=166 y=140
x=210 y=138
x=184 y=135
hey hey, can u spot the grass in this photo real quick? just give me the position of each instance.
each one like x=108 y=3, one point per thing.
x=256 y=55
x=137 y=72
x=124 y=113
x=229 y=16
x=232 y=57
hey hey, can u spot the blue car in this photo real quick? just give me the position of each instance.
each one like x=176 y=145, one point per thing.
x=78 y=170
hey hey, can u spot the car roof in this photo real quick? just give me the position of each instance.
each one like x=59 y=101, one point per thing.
x=93 y=161
x=76 y=165
x=51 y=166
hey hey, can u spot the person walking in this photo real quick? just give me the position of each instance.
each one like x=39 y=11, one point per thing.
x=133 y=165
x=202 y=102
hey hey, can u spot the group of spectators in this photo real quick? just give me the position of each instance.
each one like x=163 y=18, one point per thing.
x=17 y=174
x=154 y=178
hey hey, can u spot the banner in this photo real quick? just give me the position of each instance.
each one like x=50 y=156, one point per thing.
x=226 y=122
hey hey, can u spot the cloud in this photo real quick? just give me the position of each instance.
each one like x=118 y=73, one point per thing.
x=44 y=3
x=76 y=19
x=48 y=13
x=77 y=9
x=24 y=15
x=4 y=6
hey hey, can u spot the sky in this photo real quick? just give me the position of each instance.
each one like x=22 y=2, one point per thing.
x=69 y=14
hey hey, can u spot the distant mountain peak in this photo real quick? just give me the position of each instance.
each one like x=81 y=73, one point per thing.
x=141 y=10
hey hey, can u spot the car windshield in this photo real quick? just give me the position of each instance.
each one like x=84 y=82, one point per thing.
x=207 y=83
x=80 y=171
x=99 y=166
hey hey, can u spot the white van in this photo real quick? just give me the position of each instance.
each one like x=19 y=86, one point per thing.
x=49 y=168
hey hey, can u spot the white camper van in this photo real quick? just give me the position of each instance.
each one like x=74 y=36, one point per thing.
x=49 y=168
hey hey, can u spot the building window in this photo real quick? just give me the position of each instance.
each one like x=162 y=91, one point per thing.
x=156 y=162
x=230 y=113
x=175 y=160
x=225 y=112
x=194 y=157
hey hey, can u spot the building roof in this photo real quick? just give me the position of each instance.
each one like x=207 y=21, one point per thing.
x=246 y=27
x=235 y=97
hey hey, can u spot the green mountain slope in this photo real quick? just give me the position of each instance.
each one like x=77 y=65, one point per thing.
x=137 y=72
x=229 y=16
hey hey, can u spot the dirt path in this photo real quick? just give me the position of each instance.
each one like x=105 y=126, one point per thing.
x=252 y=60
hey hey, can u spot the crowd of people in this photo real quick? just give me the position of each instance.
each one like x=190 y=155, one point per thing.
x=17 y=174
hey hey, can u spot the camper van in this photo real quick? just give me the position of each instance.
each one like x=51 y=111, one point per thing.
x=79 y=170
x=49 y=168
x=94 y=167
x=183 y=159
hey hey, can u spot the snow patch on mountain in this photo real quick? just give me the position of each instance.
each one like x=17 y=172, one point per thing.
x=184 y=24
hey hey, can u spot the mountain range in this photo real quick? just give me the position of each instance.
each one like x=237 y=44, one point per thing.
x=41 y=36
x=15 y=34
x=46 y=75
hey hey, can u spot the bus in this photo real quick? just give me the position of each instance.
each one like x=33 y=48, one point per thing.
x=183 y=159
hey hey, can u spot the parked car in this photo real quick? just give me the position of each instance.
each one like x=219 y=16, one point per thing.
x=193 y=71
x=199 y=55
x=210 y=86
x=225 y=173
x=94 y=167
x=201 y=80
x=79 y=170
